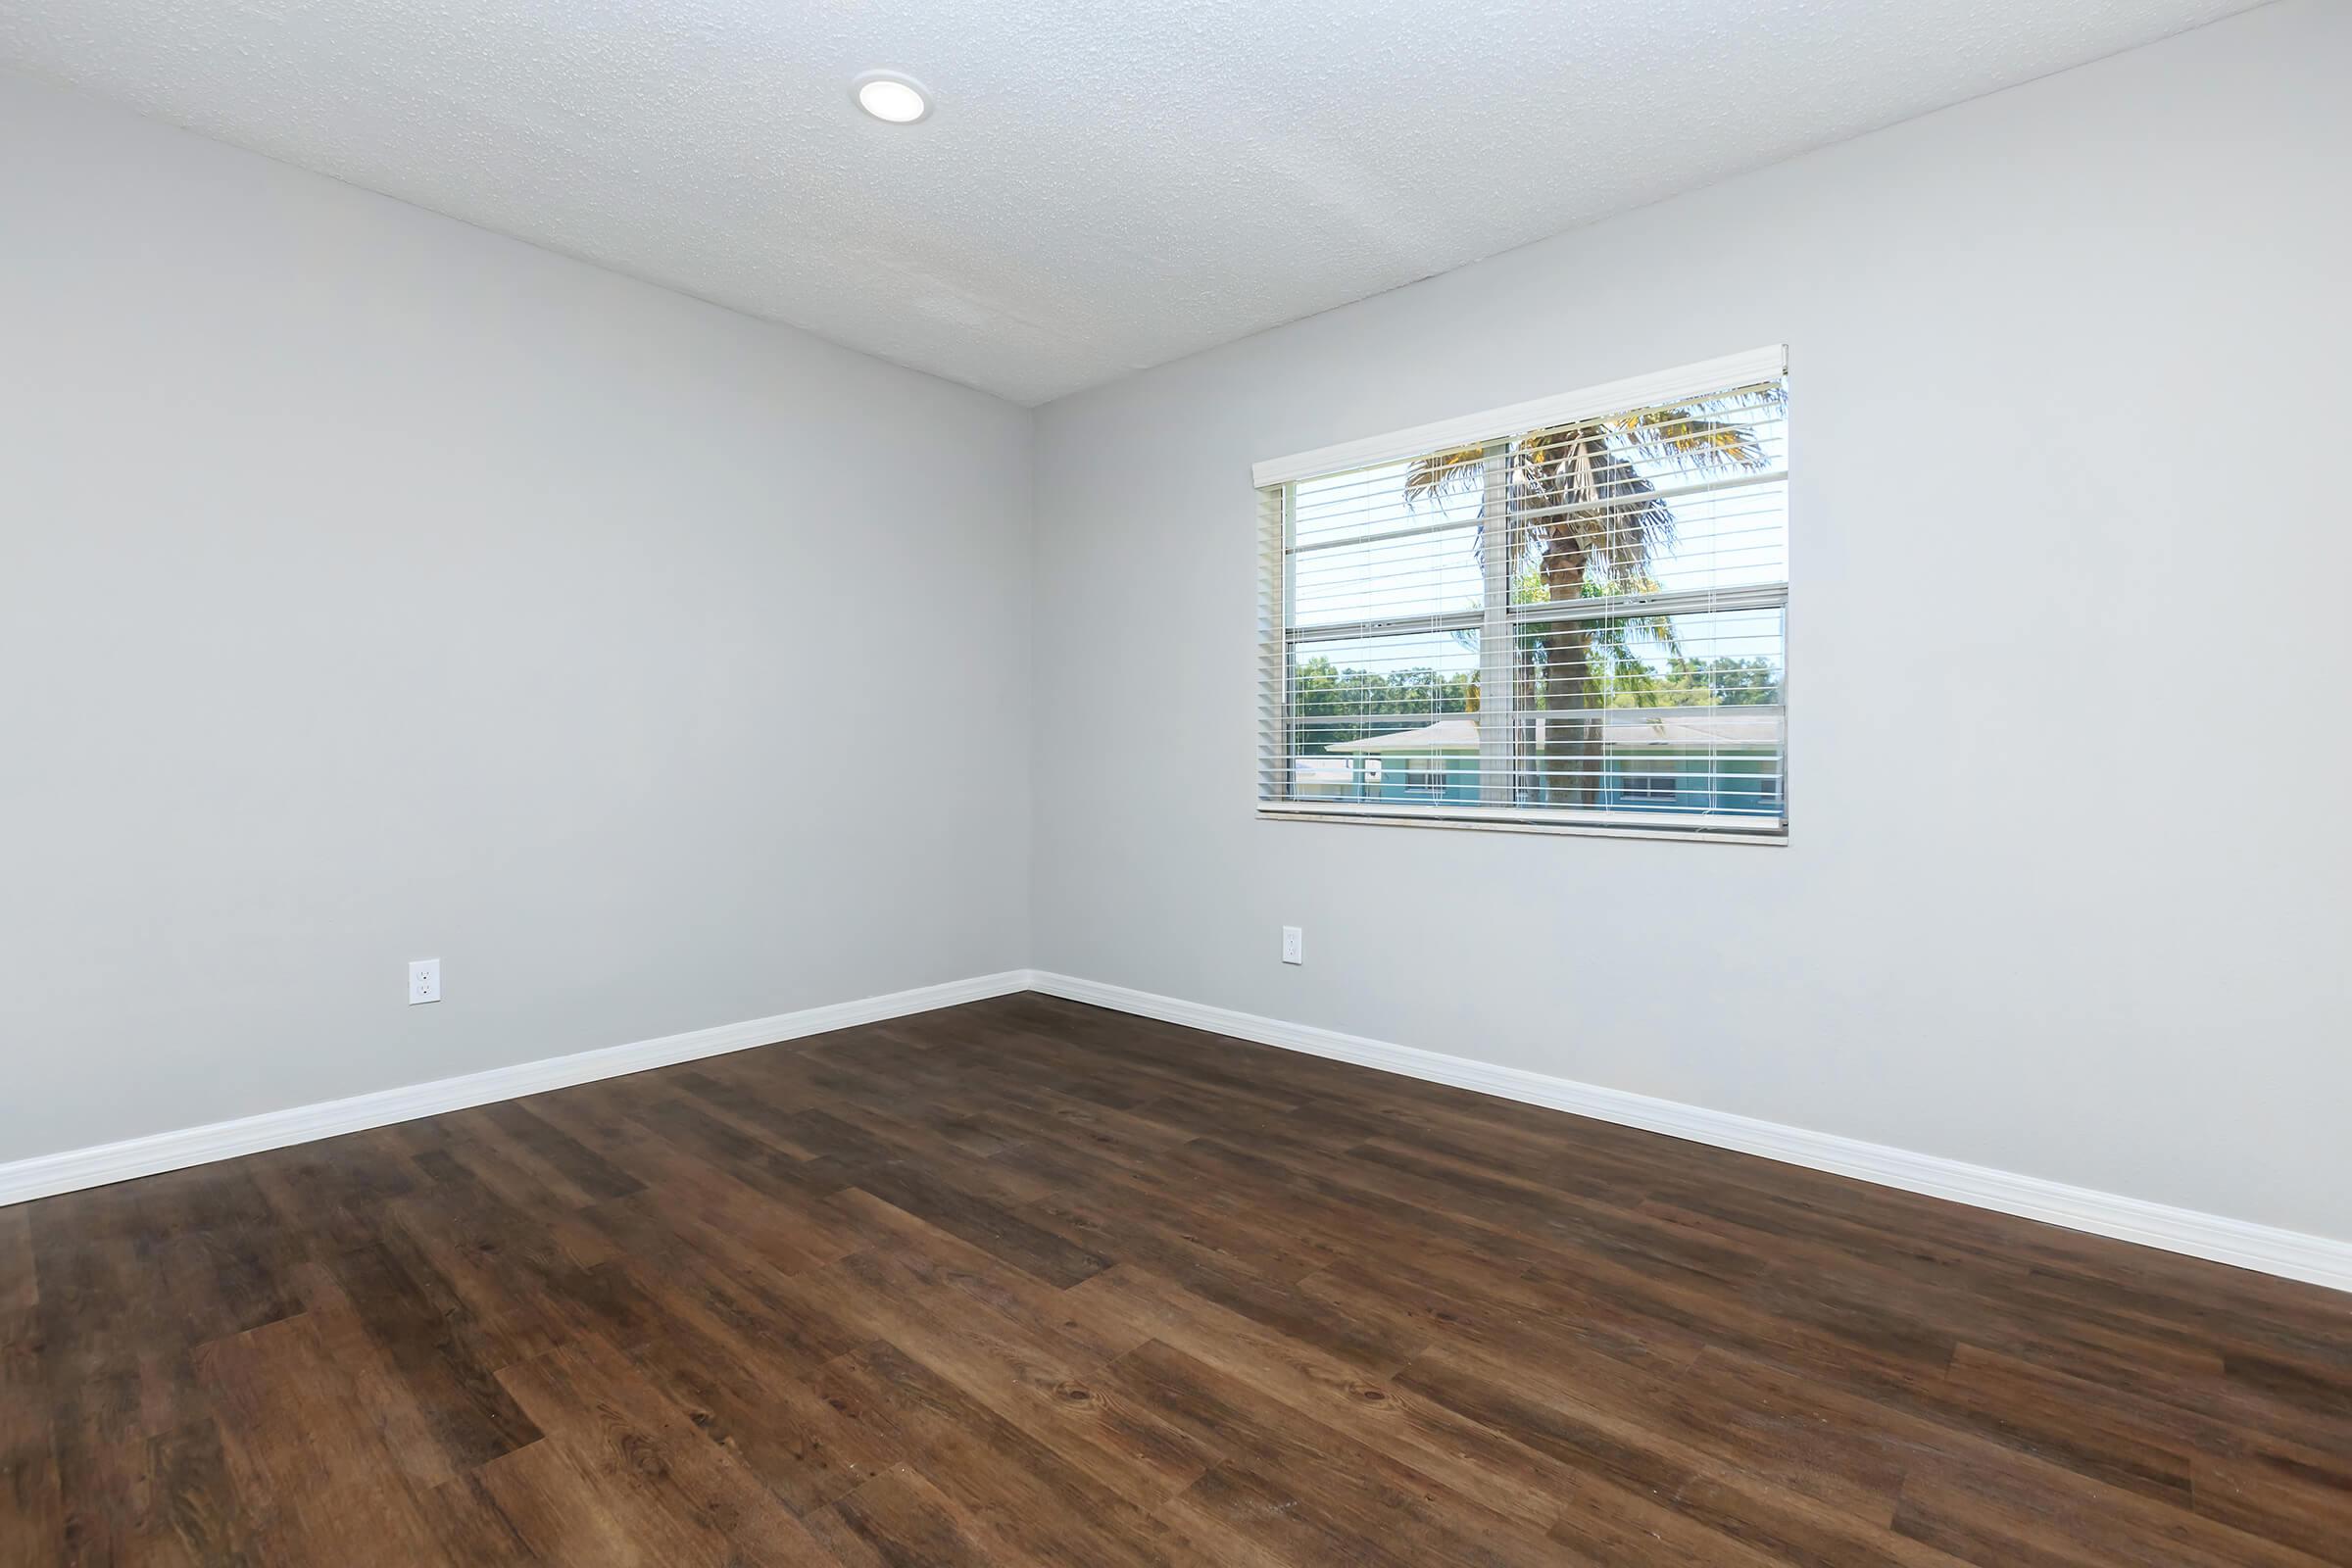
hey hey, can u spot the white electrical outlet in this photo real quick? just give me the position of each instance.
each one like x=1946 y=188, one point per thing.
x=424 y=980
x=1294 y=945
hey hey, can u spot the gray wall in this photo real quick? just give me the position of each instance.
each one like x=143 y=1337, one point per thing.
x=374 y=588
x=2066 y=893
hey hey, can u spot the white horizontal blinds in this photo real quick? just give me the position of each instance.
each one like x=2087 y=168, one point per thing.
x=1273 y=533
x=1387 y=593
x=1581 y=621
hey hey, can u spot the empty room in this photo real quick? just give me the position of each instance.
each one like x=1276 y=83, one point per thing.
x=1429 y=782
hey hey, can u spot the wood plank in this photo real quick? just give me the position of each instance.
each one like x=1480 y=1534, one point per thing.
x=1034 y=1505
x=1024 y=1373
x=1294 y=1480
x=2296 y=1498
x=315 y=1480
x=648 y=1467
x=19 y=1286
x=1000 y=1233
x=899 y=1520
x=31 y=1494
x=1480 y=1462
x=424 y=1333
x=743 y=1378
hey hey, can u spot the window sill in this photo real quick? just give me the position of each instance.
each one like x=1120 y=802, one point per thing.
x=1615 y=825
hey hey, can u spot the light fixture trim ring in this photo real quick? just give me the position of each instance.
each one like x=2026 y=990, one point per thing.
x=896 y=78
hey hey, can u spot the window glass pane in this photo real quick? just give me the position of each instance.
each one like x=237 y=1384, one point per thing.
x=1354 y=686
x=1680 y=713
x=1690 y=498
x=1442 y=770
x=1386 y=718
x=1735 y=537
x=1371 y=501
x=1418 y=574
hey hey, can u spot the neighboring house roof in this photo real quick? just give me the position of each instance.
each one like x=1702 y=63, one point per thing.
x=1691 y=726
x=1447 y=735
x=1664 y=727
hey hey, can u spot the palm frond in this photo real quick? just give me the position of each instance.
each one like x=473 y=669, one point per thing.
x=1710 y=435
x=1584 y=510
x=1441 y=472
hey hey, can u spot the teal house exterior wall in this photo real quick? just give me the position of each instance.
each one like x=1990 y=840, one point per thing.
x=1745 y=782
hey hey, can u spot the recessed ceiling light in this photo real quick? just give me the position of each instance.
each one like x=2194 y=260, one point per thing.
x=887 y=95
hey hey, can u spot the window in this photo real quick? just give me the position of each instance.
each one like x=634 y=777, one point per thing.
x=1427 y=777
x=1570 y=614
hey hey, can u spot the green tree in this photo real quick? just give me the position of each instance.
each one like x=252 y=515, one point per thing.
x=1693 y=683
x=1332 y=702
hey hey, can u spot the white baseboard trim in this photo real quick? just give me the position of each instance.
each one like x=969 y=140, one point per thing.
x=2291 y=1254
x=49 y=1174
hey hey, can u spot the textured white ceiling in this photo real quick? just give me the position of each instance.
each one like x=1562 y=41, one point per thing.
x=1104 y=186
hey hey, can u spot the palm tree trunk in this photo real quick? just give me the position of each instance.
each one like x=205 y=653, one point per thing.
x=1571 y=728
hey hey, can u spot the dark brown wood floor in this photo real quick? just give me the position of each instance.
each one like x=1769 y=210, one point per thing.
x=1027 y=1282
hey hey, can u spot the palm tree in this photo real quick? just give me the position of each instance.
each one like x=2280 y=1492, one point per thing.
x=1583 y=519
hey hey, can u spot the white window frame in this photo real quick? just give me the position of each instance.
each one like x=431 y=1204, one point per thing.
x=1499 y=619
